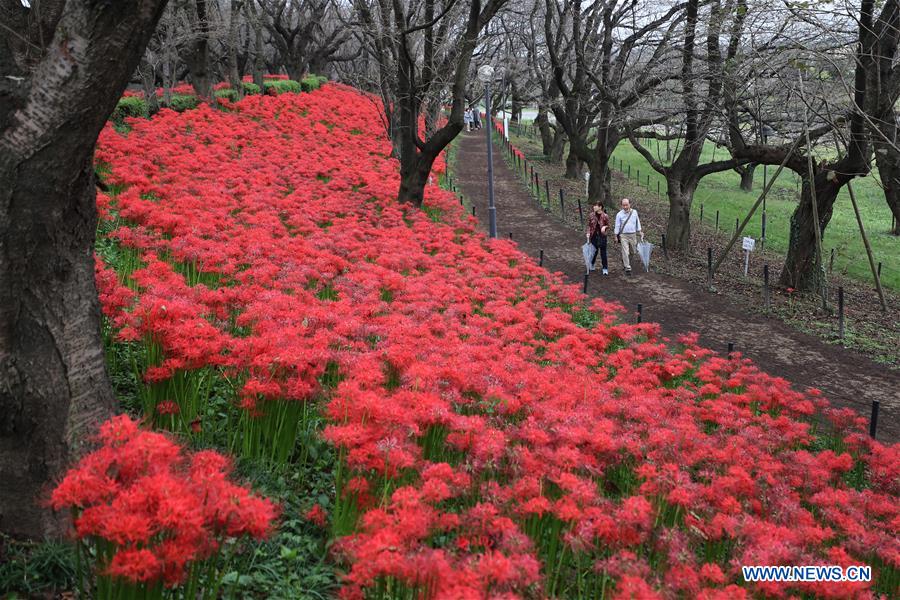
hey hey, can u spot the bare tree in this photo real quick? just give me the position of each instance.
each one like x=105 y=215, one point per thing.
x=58 y=85
x=699 y=95
x=822 y=180
x=306 y=34
x=419 y=48
x=883 y=99
x=605 y=59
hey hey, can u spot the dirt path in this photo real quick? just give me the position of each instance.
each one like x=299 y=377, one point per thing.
x=847 y=378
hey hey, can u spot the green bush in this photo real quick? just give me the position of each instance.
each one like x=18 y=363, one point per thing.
x=181 y=103
x=281 y=86
x=250 y=88
x=129 y=106
x=312 y=82
x=227 y=93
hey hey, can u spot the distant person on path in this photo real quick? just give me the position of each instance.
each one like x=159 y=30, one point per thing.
x=476 y=117
x=628 y=228
x=467 y=119
x=598 y=226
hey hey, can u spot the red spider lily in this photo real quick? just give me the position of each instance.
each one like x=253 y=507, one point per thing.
x=151 y=510
x=498 y=436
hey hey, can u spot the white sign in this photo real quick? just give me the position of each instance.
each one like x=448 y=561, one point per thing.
x=749 y=244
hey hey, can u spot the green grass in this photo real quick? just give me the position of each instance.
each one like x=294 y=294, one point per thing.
x=721 y=192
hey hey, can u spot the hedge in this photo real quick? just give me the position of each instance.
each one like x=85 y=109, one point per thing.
x=129 y=106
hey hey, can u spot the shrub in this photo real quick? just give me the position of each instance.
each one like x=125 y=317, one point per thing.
x=227 y=93
x=312 y=82
x=250 y=88
x=129 y=106
x=281 y=86
x=181 y=103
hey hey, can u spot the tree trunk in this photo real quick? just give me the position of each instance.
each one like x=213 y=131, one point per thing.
x=678 y=230
x=197 y=57
x=746 y=172
x=148 y=84
x=888 y=161
x=296 y=70
x=543 y=124
x=413 y=178
x=599 y=183
x=516 y=109
x=53 y=383
x=559 y=146
x=801 y=269
x=234 y=73
x=573 y=166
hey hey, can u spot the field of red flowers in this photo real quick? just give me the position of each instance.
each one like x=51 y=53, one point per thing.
x=497 y=437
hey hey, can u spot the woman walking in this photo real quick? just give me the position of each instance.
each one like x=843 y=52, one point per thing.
x=598 y=226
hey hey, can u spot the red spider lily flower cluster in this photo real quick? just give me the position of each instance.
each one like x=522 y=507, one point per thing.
x=498 y=438
x=161 y=509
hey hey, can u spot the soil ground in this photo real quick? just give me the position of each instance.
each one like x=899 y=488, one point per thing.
x=680 y=306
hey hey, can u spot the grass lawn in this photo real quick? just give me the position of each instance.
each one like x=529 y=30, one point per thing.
x=721 y=192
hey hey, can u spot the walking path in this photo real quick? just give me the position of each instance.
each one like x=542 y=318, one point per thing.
x=846 y=378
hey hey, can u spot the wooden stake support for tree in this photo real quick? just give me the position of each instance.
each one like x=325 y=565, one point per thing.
x=753 y=208
x=876 y=272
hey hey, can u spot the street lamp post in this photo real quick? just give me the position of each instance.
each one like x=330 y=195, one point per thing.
x=486 y=74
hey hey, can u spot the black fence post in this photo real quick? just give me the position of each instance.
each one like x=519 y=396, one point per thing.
x=841 y=312
x=541 y=259
x=580 y=212
x=665 y=248
x=585 y=282
x=831 y=262
x=629 y=171
x=873 y=420
x=701 y=212
x=730 y=348
x=717 y=221
x=657 y=190
x=763 y=236
x=878 y=270
x=547 y=189
x=640 y=313
x=737 y=222
x=562 y=206
x=510 y=235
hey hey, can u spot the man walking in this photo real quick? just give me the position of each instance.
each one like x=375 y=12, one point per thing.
x=628 y=228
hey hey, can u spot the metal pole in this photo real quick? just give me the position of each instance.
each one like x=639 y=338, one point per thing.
x=873 y=421
x=841 y=312
x=492 y=210
x=541 y=261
